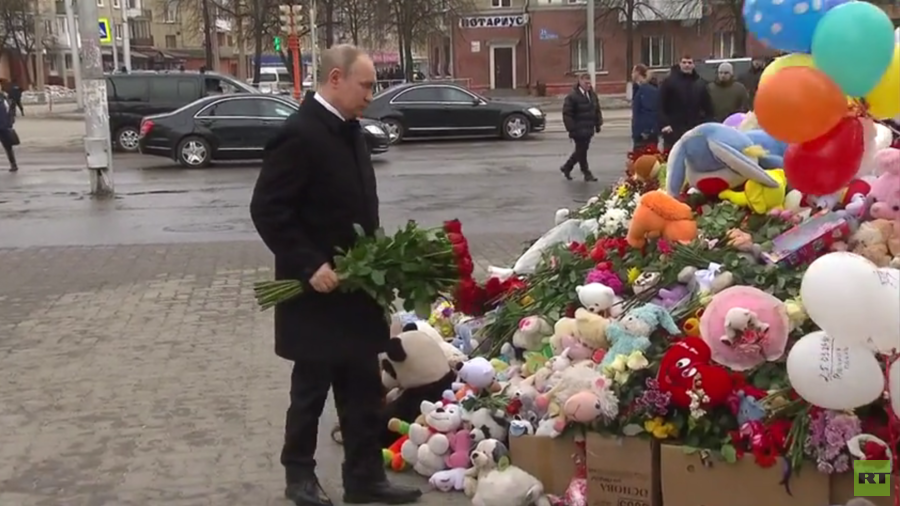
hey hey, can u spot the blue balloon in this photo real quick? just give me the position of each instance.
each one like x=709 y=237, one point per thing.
x=854 y=45
x=786 y=25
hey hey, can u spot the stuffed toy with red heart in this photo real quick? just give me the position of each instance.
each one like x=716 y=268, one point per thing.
x=687 y=367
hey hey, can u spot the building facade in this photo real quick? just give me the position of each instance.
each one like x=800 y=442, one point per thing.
x=523 y=44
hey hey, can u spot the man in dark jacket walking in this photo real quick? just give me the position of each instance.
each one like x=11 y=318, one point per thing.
x=15 y=99
x=583 y=118
x=8 y=137
x=751 y=78
x=684 y=102
x=316 y=182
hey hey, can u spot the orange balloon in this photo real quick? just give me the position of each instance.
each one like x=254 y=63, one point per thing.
x=799 y=104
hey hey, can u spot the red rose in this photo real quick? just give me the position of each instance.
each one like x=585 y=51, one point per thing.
x=465 y=266
x=455 y=238
x=461 y=249
x=598 y=253
x=604 y=266
x=453 y=227
x=579 y=249
x=570 y=310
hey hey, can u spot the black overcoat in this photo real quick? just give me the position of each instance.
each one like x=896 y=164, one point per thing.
x=316 y=182
x=582 y=115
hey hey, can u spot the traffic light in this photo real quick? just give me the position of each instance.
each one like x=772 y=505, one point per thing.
x=286 y=13
x=277 y=43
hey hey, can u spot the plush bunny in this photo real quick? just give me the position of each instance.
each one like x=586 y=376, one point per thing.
x=632 y=332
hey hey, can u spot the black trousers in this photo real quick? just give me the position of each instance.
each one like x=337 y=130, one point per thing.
x=579 y=155
x=669 y=140
x=16 y=104
x=358 y=398
x=7 y=142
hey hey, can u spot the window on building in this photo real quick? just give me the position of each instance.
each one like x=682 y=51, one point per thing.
x=99 y=3
x=171 y=41
x=657 y=51
x=117 y=30
x=171 y=15
x=220 y=39
x=723 y=45
x=501 y=3
x=117 y=4
x=132 y=4
x=579 y=55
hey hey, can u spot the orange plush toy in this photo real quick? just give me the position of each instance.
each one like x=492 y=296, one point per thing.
x=661 y=215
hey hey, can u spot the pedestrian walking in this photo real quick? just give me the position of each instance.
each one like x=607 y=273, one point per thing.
x=583 y=118
x=750 y=79
x=727 y=95
x=684 y=101
x=644 y=108
x=15 y=98
x=316 y=184
x=8 y=137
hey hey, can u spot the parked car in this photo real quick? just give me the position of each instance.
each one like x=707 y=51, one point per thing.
x=429 y=109
x=230 y=127
x=132 y=96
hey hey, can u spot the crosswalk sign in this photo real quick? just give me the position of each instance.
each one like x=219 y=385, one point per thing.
x=105 y=31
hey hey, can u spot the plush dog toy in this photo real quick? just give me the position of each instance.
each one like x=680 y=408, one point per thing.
x=498 y=482
x=713 y=158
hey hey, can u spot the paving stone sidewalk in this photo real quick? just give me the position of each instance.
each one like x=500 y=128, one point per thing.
x=144 y=375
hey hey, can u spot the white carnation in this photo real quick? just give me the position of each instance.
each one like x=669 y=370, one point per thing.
x=613 y=221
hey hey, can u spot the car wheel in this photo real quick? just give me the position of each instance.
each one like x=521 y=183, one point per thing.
x=515 y=127
x=394 y=129
x=194 y=152
x=127 y=139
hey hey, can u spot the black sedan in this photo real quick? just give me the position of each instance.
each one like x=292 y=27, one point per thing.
x=228 y=127
x=429 y=109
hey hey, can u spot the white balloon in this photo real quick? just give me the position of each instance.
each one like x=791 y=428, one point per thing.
x=837 y=292
x=832 y=374
x=885 y=313
x=894 y=386
x=876 y=137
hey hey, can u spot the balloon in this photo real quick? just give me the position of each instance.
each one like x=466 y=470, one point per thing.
x=854 y=44
x=884 y=99
x=894 y=386
x=877 y=137
x=786 y=61
x=735 y=120
x=833 y=374
x=799 y=104
x=837 y=291
x=885 y=313
x=825 y=165
x=786 y=25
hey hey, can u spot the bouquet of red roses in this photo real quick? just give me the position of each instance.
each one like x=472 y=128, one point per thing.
x=416 y=265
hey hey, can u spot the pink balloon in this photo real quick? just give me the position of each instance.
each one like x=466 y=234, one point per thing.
x=735 y=120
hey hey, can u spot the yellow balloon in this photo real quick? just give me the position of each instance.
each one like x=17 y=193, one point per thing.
x=783 y=62
x=884 y=99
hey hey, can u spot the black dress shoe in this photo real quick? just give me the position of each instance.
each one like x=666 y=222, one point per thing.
x=566 y=173
x=307 y=493
x=589 y=177
x=382 y=492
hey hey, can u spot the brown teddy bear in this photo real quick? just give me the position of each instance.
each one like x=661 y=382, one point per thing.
x=876 y=241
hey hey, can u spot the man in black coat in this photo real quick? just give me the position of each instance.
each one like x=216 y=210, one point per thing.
x=316 y=182
x=583 y=118
x=684 y=102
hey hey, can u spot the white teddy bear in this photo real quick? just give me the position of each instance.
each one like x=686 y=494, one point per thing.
x=428 y=444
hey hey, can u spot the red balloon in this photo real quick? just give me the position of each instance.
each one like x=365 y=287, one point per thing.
x=826 y=164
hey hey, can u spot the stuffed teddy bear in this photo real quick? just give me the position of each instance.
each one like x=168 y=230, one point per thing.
x=596 y=297
x=460 y=446
x=686 y=367
x=530 y=334
x=500 y=484
x=591 y=330
x=661 y=215
x=886 y=189
x=453 y=354
x=876 y=241
x=429 y=444
x=565 y=332
x=414 y=365
x=632 y=332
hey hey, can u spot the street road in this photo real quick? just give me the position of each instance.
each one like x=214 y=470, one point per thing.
x=134 y=366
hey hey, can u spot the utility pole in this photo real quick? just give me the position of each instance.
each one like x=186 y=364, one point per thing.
x=207 y=40
x=115 y=36
x=72 y=28
x=290 y=16
x=591 y=45
x=314 y=35
x=97 y=147
x=126 y=35
x=39 y=47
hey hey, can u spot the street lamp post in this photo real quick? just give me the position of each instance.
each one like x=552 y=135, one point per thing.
x=97 y=146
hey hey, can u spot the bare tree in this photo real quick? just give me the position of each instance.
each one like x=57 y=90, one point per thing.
x=356 y=16
x=416 y=20
x=729 y=18
x=17 y=30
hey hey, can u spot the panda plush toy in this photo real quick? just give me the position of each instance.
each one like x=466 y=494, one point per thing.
x=415 y=366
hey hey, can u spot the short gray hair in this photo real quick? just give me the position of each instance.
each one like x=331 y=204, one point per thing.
x=341 y=56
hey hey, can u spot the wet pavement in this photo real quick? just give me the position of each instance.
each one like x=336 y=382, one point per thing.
x=134 y=367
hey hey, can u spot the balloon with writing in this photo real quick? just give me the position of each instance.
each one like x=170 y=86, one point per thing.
x=884 y=336
x=834 y=374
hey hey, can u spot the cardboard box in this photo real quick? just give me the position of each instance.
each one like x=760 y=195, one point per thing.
x=842 y=491
x=622 y=471
x=688 y=480
x=547 y=459
x=808 y=240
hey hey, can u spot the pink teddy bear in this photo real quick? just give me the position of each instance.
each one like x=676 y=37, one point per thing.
x=886 y=189
x=460 y=446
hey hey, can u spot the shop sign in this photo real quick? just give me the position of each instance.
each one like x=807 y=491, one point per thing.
x=546 y=34
x=513 y=21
